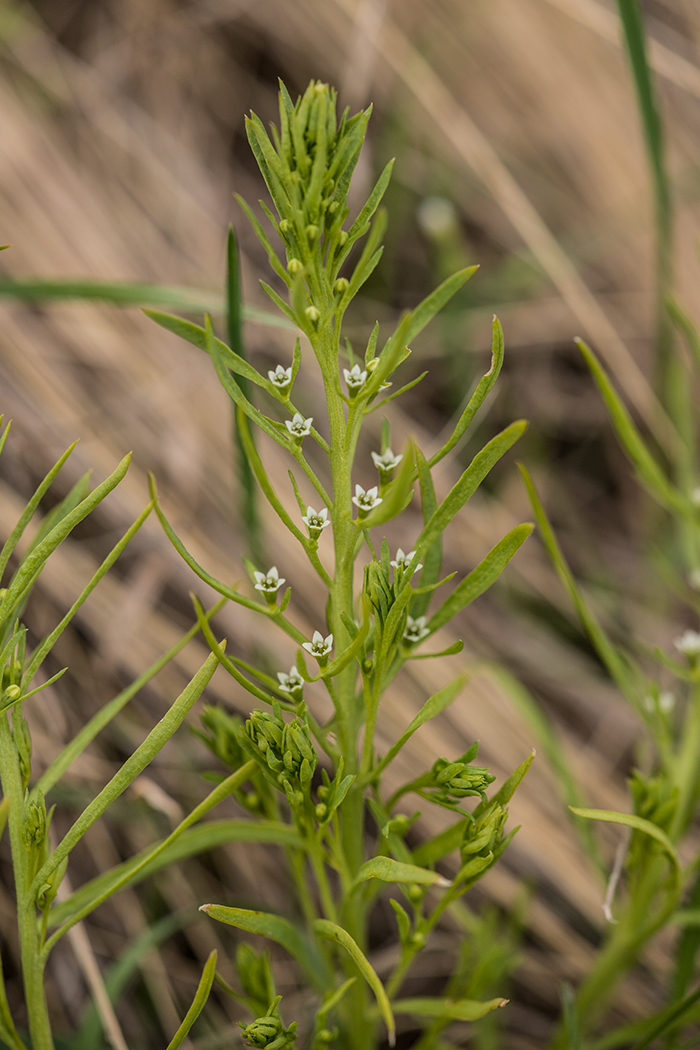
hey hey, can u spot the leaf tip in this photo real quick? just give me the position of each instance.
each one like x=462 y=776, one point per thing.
x=205 y=908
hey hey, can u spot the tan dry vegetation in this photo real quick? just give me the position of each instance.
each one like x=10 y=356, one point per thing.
x=120 y=143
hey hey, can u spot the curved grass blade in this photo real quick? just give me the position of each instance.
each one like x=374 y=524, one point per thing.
x=329 y=929
x=631 y=820
x=387 y=870
x=200 y=998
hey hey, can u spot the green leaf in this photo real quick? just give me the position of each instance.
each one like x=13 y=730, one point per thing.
x=388 y=870
x=621 y=670
x=468 y=483
x=447 y=1009
x=648 y=471
x=104 y=716
x=336 y=933
x=197 y=335
x=207 y=836
x=134 y=765
x=28 y=512
x=372 y=203
x=631 y=820
x=200 y=998
x=272 y=256
x=482 y=577
x=34 y=562
x=48 y=643
x=124 y=293
x=479 y=396
x=432 y=707
x=275 y=928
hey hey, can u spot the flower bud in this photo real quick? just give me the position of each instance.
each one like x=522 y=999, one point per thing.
x=295 y=266
x=312 y=314
x=311 y=232
x=341 y=285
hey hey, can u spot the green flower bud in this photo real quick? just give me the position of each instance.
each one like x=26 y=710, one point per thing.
x=342 y=238
x=311 y=232
x=34 y=825
x=312 y=314
x=295 y=266
x=321 y=811
x=341 y=285
x=483 y=835
x=284 y=226
x=10 y=696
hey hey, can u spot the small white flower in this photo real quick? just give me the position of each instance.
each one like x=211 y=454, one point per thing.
x=695 y=495
x=355 y=378
x=269 y=582
x=404 y=560
x=386 y=461
x=688 y=643
x=319 y=646
x=281 y=377
x=292 y=682
x=415 y=629
x=366 y=501
x=314 y=522
x=694 y=579
x=667 y=702
x=299 y=427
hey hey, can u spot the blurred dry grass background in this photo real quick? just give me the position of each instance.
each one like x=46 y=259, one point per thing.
x=121 y=142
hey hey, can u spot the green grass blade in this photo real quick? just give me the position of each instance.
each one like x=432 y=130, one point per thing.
x=105 y=715
x=47 y=644
x=133 y=767
x=631 y=820
x=28 y=512
x=189 y=843
x=483 y=576
x=648 y=471
x=201 y=996
x=126 y=293
x=34 y=562
x=620 y=671
x=336 y=933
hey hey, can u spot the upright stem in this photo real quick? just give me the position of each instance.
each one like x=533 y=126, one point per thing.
x=32 y=964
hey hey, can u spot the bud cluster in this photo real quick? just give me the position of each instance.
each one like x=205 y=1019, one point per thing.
x=456 y=780
x=286 y=751
x=484 y=834
x=269 y=1033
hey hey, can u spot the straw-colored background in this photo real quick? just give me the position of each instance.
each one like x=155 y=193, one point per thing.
x=121 y=142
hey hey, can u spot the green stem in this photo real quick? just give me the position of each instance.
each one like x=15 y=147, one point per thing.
x=32 y=962
x=687 y=765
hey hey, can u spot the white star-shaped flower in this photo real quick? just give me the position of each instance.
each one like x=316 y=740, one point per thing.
x=366 y=501
x=355 y=378
x=688 y=643
x=386 y=461
x=319 y=646
x=292 y=682
x=299 y=427
x=404 y=560
x=314 y=522
x=415 y=629
x=269 y=582
x=281 y=377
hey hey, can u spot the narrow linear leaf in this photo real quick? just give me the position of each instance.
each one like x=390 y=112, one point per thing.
x=617 y=667
x=372 y=203
x=200 y=998
x=469 y=482
x=28 y=512
x=33 y=563
x=482 y=577
x=205 y=837
x=457 y=1010
x=336 y=933
x=134 y=765
x=648 y=471
x=387 y=870
x=479 y=396
x=275 y=928
x=432 y=707
x=631 y=820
